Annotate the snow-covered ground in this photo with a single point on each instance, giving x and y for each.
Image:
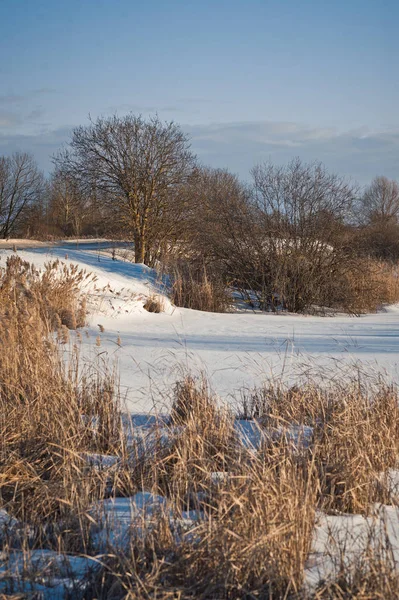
(236, 350)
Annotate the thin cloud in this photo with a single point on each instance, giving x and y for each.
(360, 154)
(27, 97)
(143, 108)
(9, 119)
(14, 119)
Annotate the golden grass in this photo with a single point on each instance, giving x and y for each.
(255, 508)
(154, 304)
(50, 411)
(369, 286)
(194, 288)
(355, 436)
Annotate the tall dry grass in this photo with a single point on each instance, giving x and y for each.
(253, 508)
(355, 436)
(255, 512)
(53, 294)
(51, 412)
(368, 286)
(195, 287)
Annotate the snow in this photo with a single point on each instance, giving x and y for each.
(347, 536)
(235, 350)
(252, 435)
(117, 519)
(8, 526)
(50, 575)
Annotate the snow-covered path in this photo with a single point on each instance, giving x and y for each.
(235, 350)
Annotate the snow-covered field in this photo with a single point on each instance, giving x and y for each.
(236, 350)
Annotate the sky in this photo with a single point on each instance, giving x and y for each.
(248, 80)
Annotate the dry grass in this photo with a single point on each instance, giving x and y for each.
(358, 443)
(154, 304)
(53, 295)
(255, 509)
(369, 286)
(195, 288)
(355, 436)
(50, 412)
(256, 517)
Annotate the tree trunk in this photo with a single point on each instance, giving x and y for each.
(139, 248)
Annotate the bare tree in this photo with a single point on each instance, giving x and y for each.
(21, 184)
(380, 202)
(220, 240)
(69, 204)
(218, 215)
(139, 163)
(377, 215)
(304, 210)
(303, 202)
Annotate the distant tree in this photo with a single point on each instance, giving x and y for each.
(35, 222)
(303, 202)
(218, 215)
(303, 211)
(69, 206)
(21, 184)
(377, 218)
(380, 202)
(139, 163)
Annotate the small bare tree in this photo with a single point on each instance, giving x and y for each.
(218, 238)
(377, 214)
(21, 184)
(380, 202)
(304, 209)
(138, 162)
(303, 202)
(69, 204)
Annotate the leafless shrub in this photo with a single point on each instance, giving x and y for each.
(284, 244)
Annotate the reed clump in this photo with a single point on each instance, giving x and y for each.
(51, 410)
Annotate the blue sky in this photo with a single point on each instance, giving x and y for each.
(249, 80)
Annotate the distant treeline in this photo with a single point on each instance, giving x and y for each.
(295, 234)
